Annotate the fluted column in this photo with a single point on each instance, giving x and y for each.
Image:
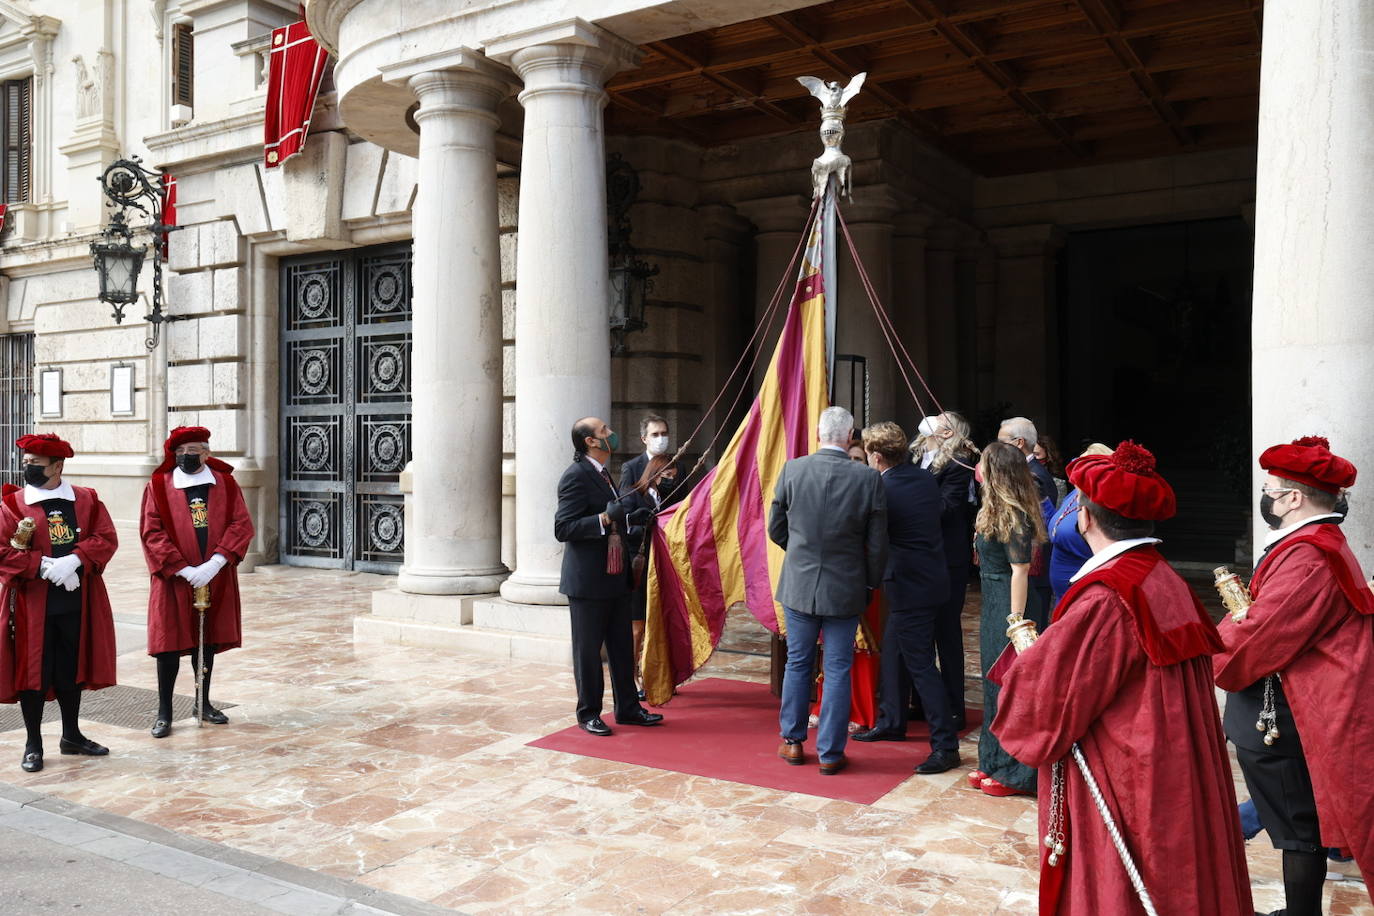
(453, 516)
(1313, 328)
(857, 329)
(562, 336)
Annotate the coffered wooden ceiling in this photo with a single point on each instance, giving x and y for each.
(1004, 86)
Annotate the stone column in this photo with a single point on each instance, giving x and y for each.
(453, 516)
(1312, 326)
(857, 330)
(562, 335)
(985, 334)
(1026, 351)
(966, 270)
(909, 309)
(724, 236)
(942, 309)
(780, 221)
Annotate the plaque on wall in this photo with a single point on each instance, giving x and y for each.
(50, 391)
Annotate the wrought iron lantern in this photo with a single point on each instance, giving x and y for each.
(631, 279)
(118, 261)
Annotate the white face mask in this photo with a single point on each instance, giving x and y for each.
(658, 445)
(927, 427)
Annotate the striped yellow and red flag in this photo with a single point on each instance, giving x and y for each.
(712, 551)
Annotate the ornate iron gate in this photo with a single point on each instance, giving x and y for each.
(345, 381)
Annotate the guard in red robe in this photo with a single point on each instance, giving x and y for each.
(1126, 673)
(1299, 665)
(195, 530)
(56, 627)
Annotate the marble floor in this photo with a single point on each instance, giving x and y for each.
(407, 769)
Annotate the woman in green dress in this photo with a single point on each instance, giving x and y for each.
(1008, 529)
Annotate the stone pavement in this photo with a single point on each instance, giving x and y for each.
(406, 771)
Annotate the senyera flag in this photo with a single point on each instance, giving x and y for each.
(295, 67)
(711, 551)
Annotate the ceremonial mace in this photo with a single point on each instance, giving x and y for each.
(1236, 597)
(1022, 634)
(201, 602)
(23, 536)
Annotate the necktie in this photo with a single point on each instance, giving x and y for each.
(606, 476)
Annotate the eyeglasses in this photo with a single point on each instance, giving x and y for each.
(1275, 492)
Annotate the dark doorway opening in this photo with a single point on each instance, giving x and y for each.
(1156, 348)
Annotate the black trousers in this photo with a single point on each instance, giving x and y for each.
(949, 639)
(1281, 788)
(909, 646)
(597, 622)
(61, 646)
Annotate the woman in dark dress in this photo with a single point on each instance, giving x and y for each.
(1008, 529)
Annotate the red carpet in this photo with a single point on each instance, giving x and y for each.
(729, 730)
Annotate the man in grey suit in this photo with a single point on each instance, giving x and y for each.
(830, 515)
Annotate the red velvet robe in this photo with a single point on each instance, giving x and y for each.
(1125, 672)
(169, 544)
(21, 661)
(1313, 623)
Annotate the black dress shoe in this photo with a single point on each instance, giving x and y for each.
(32, 762)
(595, 727)
(938, 762)
(643, 717)
(878, 734)
(82, 745)
(212, 715)
(162, 728)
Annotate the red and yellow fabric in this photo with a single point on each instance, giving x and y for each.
(711, 552)
(295, 67)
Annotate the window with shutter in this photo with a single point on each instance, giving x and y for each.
(16, 139)
(183, 65)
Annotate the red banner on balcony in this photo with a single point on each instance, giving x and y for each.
(169, 210)
(295, 67)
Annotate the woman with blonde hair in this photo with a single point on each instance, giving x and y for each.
(944, 449)
(1008, 529)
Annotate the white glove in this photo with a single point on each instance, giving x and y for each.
(56, 569)
(186, 572)
(202, 574)
(71, 583)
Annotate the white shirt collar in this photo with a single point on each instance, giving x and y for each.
(63, 490)
(1110, 552)
(1274, 537)
(181, 480)
(928, 457)
(596, 465)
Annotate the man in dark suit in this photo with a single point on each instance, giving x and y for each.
(589, 512)
(830, 514)
(915, 584)
(1020, 432)
(653, 432)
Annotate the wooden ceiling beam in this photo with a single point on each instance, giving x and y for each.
(995, 73)
(1105, 18)
(725, 82)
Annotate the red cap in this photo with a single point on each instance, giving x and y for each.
(46, 444)
(1125, 482)
(180, 436)
(1309, 460)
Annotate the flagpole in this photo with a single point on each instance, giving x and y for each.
(828, 279)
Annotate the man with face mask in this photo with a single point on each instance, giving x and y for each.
(1125, 672)
(1297, 666)
(196, 529)
(589, 517)
(57, 633)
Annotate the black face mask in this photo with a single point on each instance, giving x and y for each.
(35, 475)
(1266, 508)
(189, 463)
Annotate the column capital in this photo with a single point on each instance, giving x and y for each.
(556, 44)
(776, 214)
(464, 61)
(1027, 241)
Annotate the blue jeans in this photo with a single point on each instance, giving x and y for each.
(802, 629)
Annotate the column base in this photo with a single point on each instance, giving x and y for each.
(530, 588)
(484, 624)
(451, 581)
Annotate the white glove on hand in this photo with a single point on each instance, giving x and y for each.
(71, 583)
(202, 574)
(56, 569)
(186, 572)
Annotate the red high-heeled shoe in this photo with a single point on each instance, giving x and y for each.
(996, 789)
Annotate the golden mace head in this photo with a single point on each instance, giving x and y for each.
(1021, 632)
(23, 534)
(200, 598)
